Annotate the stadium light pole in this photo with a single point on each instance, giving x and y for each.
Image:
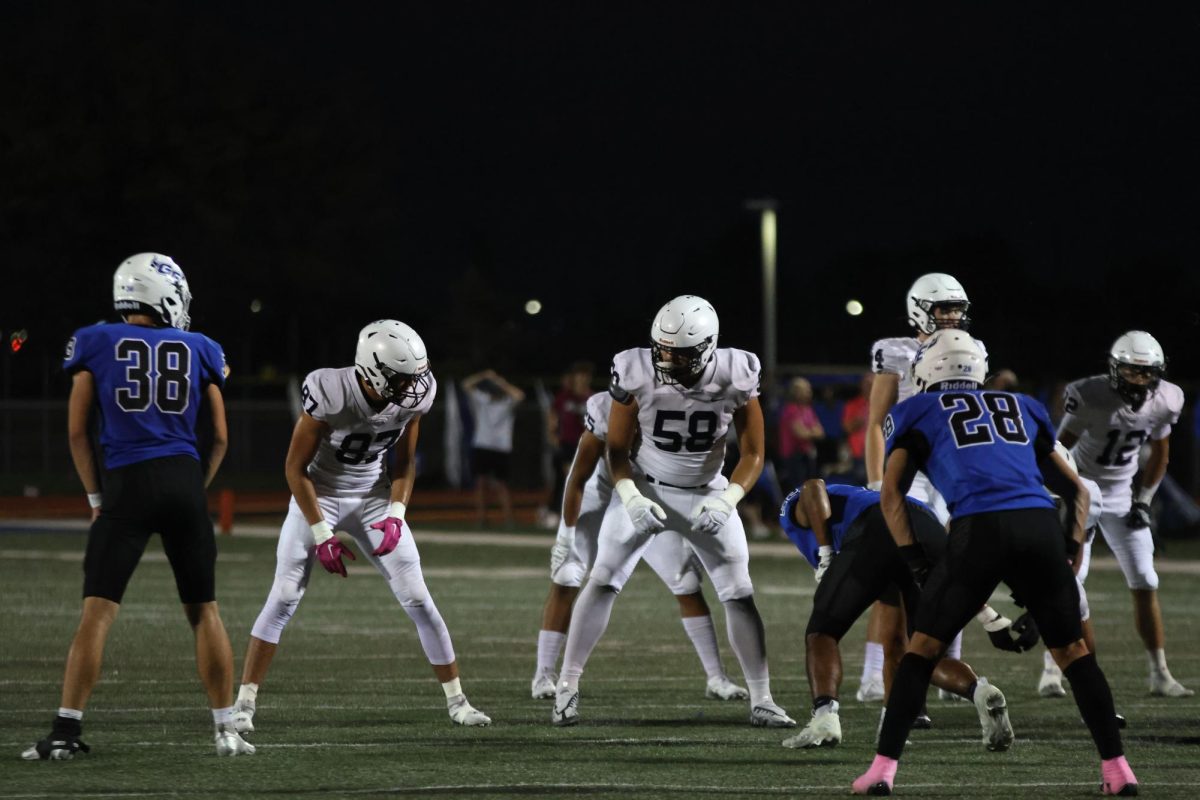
(768, 234)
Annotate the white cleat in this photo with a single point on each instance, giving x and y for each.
(1163, 684)
(543, 686)
(230, 743)
(993, 716)
(463, 713)
(871, 690)
(823, 730)
(1051, 685)
(721, 688)
(951, 696)
(768, 715)
(243, 717)
(566, 707)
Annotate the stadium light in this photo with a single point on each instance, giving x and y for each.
(768, 235)
(533, 307)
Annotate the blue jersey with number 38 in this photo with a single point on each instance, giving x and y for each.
(980, 448)
(149, 384)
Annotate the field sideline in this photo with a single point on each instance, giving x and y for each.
(351, 708)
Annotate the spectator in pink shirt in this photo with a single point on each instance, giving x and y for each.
(799, 431)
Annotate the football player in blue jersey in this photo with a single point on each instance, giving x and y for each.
(841, 531)
(146, 377)
(988, 453)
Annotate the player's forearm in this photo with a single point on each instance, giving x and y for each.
(618, 463)
(572, 502)
(402, 483)
(895, 513)
(306, 496)
(215, 456)
(85, 462)
(748, 468)
(874, 454)
(1155, 469)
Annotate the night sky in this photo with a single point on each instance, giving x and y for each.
(443, 163)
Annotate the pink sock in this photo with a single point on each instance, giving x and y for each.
(882, 770)
(1116, 775)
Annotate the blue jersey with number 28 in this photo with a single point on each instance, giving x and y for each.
(149, 384)
(979, 448)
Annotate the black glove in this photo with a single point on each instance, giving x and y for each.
(918, 563)
(1015, 637)
(1027, 632)
(1138, 516)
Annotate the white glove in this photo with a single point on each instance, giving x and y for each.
(712, 514)
(825, 558)
(875, 486)
(647, 516)
(562, 546)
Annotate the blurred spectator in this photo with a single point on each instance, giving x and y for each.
(799, 431)
(1004, 380)
(829, 411)
(493, 402)
(565, 428)
(854, 423)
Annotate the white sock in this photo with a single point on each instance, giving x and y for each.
(760, 691)
(452, 688)
(550, 645)
(704, 638)
(71, 713)
(588, 623)
(247, 695)
(223, 716)
(1158, 660)
(955, 649)
(872, 662)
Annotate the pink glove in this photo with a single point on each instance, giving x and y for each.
(392, 528)
(330, 549)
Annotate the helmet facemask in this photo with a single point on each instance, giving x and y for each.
(1131, 392)
(404, 389)
(933, 324)
(681, 364)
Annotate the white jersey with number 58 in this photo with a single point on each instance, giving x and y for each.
(683, 428)
(350, 459)
(1111, 434)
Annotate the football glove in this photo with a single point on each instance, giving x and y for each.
(392, 528)
(1138, 516)
(647, 516)
(330, 549)
(562, 546)
(825, 556)
(714, 512)
(918, 563)
(1000, 630)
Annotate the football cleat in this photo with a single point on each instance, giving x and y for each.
(543, 686)
(871, 690)
(878, 779)
(463, 713)
(768, 715)
(55, 747)
(922, 721)
(1117, 778)
(230, 743)
(993, 716)
(566, 707)
(721, 688)
(823, 730)
(951, 696)
(1163, 684)
(243, 717)
(1051, 685)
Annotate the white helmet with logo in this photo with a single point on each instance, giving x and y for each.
(937, 289)
(1139, 353)
(150, 283)
(391, 358)
(948, 355)
(683, 338)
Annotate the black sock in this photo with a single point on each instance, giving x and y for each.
(971, 690)
(1094, 698)
(905, 700)
(823, 700)
(65, 726)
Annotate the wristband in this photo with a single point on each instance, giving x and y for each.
(322, 532)
(874, 486)
(397, 509)
(94, 499)
(1146, 494)
(627, 490)
(824, 552)
(733, 494)
(992, 620)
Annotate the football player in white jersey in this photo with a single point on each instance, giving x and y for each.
(353, 419)
(682, 393)
(587, 505)
(934, 301)
(1107, 420)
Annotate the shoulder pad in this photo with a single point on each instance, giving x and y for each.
(745, 372)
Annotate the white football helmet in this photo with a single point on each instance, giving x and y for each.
(1140, 353)
(150, 283)
(683, 338)
(391, 358)
(937, 289)
(948, 355)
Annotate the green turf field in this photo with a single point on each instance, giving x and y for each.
(351, 707)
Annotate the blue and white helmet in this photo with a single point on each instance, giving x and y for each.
(948, 355)
(391, 358)
(151, 283)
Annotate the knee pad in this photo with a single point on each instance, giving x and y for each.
(732, 581)
(687, 582)
(603, 575)
(1144, 578)
(570, 573)
(278, 610)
